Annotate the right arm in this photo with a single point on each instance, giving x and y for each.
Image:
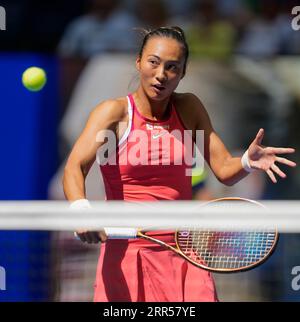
(106, 116)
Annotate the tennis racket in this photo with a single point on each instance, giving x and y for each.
(216, 251)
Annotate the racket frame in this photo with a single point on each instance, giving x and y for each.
(178, 251)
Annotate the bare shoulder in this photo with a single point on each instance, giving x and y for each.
(111, 110)
(190, 108)
(188, 101)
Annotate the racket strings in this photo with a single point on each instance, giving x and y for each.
(226, 250)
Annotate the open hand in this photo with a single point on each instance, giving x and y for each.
(264, 158)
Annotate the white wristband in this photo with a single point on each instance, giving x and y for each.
(245, 162)
(80, 204)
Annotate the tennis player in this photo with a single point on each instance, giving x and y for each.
(139, 270)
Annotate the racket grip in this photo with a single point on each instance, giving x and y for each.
(121, 233)
(117, 233)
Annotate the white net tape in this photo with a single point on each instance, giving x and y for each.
(57, 216)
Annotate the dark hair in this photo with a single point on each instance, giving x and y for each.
(173, 32)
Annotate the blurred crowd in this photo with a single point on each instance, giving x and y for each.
(215, 28)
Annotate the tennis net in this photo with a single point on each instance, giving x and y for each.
(40, 260)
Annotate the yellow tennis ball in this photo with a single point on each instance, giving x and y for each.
(34, 79)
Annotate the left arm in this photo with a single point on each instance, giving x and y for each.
(228, 169)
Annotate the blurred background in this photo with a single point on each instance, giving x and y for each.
(244, 66)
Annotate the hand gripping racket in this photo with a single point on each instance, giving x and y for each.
(216, 251)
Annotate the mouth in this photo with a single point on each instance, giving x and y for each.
(158, 88)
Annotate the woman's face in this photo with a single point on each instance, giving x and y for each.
(161, 67)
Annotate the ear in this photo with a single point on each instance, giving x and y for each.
(138, 63)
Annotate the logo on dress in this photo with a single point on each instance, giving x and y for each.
(163, 129)
(151, 127)
(158, 135)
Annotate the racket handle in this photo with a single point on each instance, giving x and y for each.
(117, 233)
(121, 233)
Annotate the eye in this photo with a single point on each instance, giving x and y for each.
(153, 62)
(173, 67)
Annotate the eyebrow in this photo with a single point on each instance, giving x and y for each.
(171, 61)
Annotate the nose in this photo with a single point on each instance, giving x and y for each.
(161, 74)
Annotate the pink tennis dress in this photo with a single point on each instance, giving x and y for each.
(150, 164)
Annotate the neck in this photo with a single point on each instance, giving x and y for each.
(151, 109)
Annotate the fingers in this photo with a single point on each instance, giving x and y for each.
(102, 235)
(285, 161)
(81, 236)
(95, 237)
(271, 175)
(259, 136)
(278, 171)
(280, 150)
(90, 237)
